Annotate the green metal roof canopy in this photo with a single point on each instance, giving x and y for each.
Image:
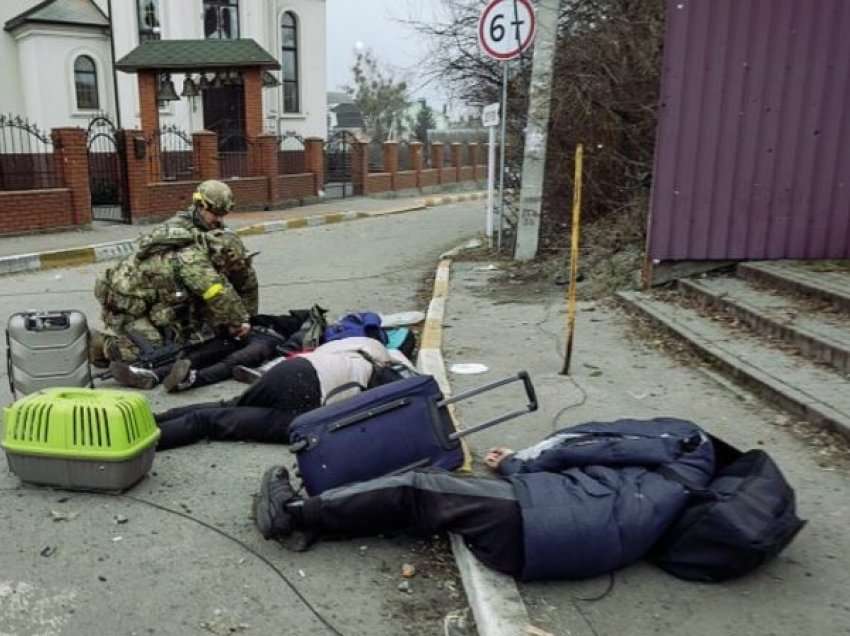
(196, 55)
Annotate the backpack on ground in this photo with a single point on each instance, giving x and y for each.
(402, 339)
(359, 325)
(743, 518)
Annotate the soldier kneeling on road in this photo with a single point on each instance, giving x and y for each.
(170, 290)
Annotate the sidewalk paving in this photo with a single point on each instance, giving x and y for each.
(105, 241)
(508, 325)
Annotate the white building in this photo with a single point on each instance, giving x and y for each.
(56, 59)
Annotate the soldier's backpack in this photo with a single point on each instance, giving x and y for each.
(47, 349)
(743, 518)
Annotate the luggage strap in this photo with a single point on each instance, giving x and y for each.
(342, 388)
(369, 414)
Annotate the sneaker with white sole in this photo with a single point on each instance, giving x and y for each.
(177, 378)
(134, 377)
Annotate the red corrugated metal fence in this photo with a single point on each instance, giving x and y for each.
(753, 154)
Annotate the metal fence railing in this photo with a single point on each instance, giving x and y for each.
(27, 161)
(174, 152)
(233, 156)
(405, 156)
(291, 155)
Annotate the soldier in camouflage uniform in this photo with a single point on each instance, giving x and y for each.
(170, 289)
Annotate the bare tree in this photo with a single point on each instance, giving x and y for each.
(604, 94)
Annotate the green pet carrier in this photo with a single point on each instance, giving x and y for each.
(80, 439)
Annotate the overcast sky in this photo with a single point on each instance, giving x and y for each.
(373, 24)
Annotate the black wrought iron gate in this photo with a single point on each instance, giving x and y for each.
(107, 173)
(338, 163)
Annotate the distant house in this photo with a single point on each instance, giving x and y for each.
(344, 115)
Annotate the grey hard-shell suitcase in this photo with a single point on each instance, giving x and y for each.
(47, 349)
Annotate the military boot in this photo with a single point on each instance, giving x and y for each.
(272, 518)
(97, 350)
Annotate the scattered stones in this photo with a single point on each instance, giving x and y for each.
(408, 571)
(48, 551)
(120, 519)
(63, 516)
(404, 586)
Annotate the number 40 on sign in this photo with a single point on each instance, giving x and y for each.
(506, 28)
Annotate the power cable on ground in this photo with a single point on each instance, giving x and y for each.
(333, 630)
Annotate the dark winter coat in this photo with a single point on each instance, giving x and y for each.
(591, 499)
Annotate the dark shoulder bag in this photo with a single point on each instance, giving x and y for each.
(743, 518)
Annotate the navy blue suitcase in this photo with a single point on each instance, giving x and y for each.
(387, 430)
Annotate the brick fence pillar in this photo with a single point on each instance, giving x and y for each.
(360, 167)
(205, 155)
(472, 158)
(437, 159)
(149, 114)
(71, 148)
(253, 87)
(457, 159)
(416, 160)
(267, 166)
(391, 161)
(314, 162)
(137, 172)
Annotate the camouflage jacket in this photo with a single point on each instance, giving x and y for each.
(170, 275)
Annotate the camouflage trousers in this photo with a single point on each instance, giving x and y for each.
(114, 345)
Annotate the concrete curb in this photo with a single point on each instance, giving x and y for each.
(74, 257)
(494, 598)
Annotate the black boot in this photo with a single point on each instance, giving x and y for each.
(272, 518)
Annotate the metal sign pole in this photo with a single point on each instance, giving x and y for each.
(491, 183)
(502, 155)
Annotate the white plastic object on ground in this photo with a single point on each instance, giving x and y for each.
(469, 368)
(402, 319)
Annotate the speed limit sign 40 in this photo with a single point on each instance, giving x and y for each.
(507, 28)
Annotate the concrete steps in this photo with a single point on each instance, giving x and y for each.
(800, 277)
(791, 351)
(823, 336)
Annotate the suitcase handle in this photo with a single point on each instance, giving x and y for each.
(532, 406)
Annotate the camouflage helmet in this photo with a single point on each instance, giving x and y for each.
(227, 252)
(217, 196)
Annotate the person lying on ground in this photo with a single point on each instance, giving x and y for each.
(265, 410)
(585, 501)
(213, 361)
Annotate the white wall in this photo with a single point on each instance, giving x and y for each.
(312, 72)
(46, 57)
(12, 94)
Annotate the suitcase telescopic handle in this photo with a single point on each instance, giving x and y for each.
(532, 406)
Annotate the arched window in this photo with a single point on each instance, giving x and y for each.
(289, 61)
(85, 83)
(221, 19)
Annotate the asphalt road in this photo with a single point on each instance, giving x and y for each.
(171, 572)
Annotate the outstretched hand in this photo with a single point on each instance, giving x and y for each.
(240, 331)
(495, 456)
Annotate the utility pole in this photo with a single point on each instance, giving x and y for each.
(536, 132)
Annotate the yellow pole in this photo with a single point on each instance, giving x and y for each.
(574, 254)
